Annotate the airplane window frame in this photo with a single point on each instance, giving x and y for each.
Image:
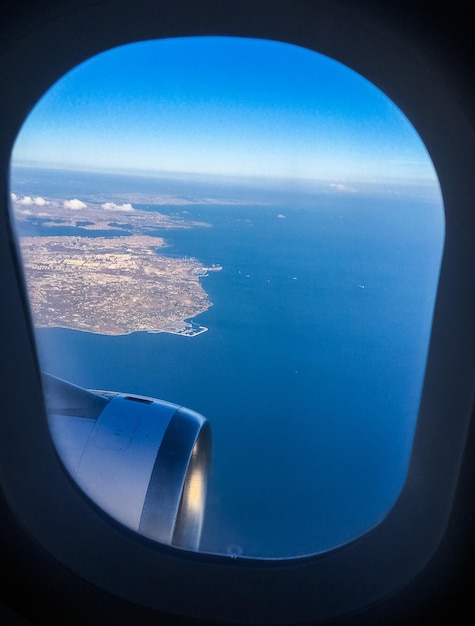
(259, 591)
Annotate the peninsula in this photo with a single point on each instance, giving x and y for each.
(111, 285)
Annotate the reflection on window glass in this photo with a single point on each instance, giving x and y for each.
(252, 231)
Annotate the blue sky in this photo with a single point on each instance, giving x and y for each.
(216, 105)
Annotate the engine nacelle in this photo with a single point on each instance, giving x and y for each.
(144, 461)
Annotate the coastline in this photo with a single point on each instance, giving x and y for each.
(186, 330)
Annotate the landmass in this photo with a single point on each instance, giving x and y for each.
(36, 211)
(111, 285)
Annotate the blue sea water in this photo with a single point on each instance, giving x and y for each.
(312, 367)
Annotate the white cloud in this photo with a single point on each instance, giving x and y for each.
(342, 187)
(112, 206)
(74, 204)
(282, 216)
(26, 200)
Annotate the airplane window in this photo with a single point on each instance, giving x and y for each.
(231, 249)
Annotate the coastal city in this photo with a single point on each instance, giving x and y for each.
(111, 285)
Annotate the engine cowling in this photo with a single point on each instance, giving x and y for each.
(144, 461)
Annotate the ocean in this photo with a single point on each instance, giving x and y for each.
(312, 367)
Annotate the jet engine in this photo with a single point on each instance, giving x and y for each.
(144, 461)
